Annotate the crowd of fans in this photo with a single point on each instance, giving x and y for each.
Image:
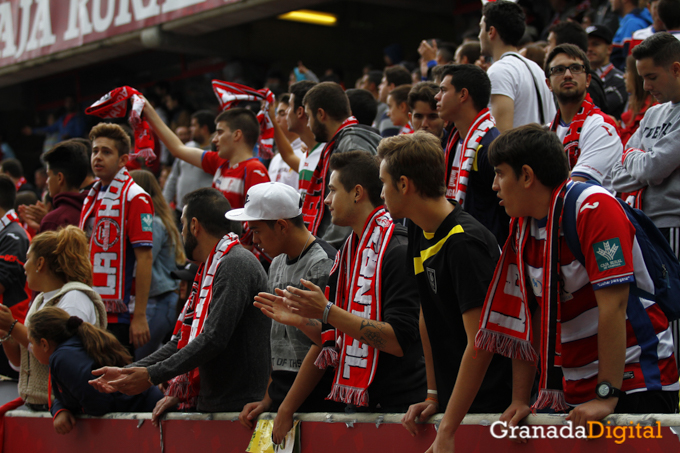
(360, 268)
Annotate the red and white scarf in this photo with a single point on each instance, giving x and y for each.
(505, 325)
(634, 199)
(456, 188)
(192, 319)
(114, 105)
(406, 129)
(312, 208)
(571, 139)
(230, 94)
(359, 266)
(108, 245)
(20, 183)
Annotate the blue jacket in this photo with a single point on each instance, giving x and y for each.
(71, 368)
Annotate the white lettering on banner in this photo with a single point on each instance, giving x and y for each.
(173, 5)
(102, 23)
(78, 20)
(7, 30)
(42, 24)
(356, 353)
(25, 7)
(102, 265)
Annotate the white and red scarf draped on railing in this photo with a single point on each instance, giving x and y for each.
(230, 94)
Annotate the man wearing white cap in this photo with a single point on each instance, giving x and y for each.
(274, 215)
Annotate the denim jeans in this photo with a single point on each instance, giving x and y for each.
(161, 314)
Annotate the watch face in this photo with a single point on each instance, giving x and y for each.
(602, 390)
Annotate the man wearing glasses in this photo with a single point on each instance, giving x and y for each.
(589, 136)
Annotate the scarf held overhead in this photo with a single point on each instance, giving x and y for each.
(505, 326)
(456, 188)
(230, 94)
(358, 291)
(312, 208)
(114, 105)
(192, 319)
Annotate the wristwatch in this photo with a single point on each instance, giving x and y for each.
(605, 390)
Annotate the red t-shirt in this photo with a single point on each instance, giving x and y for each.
(235, 181)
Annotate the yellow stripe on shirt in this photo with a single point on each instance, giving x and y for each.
(432, 251)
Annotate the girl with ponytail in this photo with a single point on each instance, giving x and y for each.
(58, 267)
(168, 253)
(72, 349)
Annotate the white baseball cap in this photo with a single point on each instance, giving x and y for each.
(268, 201)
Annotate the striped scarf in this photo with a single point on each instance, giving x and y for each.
(230, 94)
(114, 105)
(460, 171)
(192, 319)
(358, 291)
(312, 209)
(505, 325)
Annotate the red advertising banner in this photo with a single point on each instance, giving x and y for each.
(34, 28)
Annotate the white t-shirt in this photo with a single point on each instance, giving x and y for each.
(510, 77)
(279, 171)
(75, 303)
(600, 148)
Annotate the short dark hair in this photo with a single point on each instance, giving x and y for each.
(284, 98)
(473, 78)
(535, 146)
(507, 18)
(8, 193)
(244, 120)
(397, 75)
(662, 47)
(12, 167)
(447, 50)
(570, 33)
(669, 13)
(400, 94)
(300, 89)
(419, 157)
(208, 206)
(375, 76)
(205, 118)
(359, 168)
(471, 50)
(363, 104)
(571, 51)
(69, 158)
(330, 97)
(425, 92)
(87, 143)
(297, 222)
(25, 197)
(114, 132)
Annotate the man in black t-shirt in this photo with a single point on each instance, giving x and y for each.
(453, 257)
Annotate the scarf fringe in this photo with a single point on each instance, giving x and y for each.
(327, 357)
(552, 398)
(505, 345)
(349, 395)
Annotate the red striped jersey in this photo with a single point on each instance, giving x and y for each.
(612, 256)
(235, 181)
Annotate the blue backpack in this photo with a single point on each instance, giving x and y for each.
(661, 262)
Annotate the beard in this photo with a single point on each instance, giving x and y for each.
(571, 96)
(190, 244)
(320, 132)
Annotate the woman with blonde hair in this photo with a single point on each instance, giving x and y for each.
(58, 267)
(168, 252)
(72, 349)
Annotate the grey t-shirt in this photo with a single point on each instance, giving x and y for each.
(290, 345)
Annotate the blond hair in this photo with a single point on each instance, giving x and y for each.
(66, 253)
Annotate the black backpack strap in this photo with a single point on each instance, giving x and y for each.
(538, 92)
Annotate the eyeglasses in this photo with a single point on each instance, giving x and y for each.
(573, 68)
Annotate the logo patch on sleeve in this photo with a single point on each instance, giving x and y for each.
(147, 222)
(608, 254)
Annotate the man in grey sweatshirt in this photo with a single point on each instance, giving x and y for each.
(231, 351)
(651, 159)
